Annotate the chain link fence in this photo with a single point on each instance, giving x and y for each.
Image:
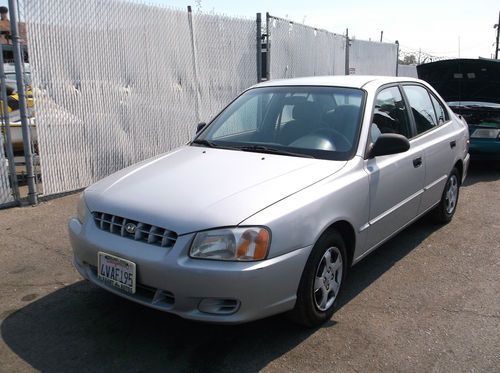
(226, 52)
(297, 50)
(117, 82)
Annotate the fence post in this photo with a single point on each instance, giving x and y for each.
(397, 58)
(259, 47)
(195, 67)
(347, 51)
(268, 48)
(30, 176)
(8, 136)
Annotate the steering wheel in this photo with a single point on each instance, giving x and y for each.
(339, 140)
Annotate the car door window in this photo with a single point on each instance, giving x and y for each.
(390, 114)
(421, 107)
(442, 114)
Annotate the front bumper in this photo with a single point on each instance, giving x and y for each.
(171, 281)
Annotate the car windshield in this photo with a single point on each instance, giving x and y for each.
(319, 122)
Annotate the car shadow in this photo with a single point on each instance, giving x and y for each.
(386, 256)
(84, 328)
(482, 171)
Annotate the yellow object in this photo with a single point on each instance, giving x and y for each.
(13, 101)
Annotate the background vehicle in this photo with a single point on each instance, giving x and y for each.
(13, 104)
(472, 90)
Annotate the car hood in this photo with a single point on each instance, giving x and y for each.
(463, 79)
(196, 188)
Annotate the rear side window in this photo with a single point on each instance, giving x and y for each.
(390, 114)
(421, 107)
(441, 112)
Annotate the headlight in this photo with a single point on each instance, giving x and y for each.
(81, 209)
(237, 244)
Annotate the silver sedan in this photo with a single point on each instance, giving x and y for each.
(273, 201)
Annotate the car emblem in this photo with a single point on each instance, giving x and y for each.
(130, 228)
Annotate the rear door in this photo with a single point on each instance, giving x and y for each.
(432, 127)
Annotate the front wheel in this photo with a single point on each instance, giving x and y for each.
(321, 281)
(444, 211)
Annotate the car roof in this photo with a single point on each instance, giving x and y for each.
(350, 81)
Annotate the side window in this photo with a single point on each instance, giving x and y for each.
(390, 114)
(421, 107)
(442, 114)
(345, 99)
(286, 114)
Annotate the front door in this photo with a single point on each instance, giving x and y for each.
(396, 180)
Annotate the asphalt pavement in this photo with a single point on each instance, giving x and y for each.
(428, 300)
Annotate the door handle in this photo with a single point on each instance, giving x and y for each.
(453, 144)
(417, 162)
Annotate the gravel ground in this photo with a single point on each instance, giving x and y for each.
(428, 300)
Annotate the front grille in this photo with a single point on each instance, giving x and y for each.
(143, 232)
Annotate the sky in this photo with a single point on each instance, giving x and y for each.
(438, 27)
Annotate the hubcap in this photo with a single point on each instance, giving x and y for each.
(328, 279)
(451, 194)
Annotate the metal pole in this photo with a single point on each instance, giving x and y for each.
(8, 136)
(195, 67)
(498, 34)
(347, 51)
(259, 47)
(18, 62)
(268, 48)
(397, 58)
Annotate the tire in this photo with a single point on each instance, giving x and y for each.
(315, 306)
(444, 211)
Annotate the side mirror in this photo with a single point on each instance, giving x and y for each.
(389, 143)
(200, 127)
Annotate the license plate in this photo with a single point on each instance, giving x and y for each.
(117, 272)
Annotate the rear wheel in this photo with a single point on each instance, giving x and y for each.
(444, 211)
(321, 281)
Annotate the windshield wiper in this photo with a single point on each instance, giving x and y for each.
(204, 142)
(265, 149)
(211, 144)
